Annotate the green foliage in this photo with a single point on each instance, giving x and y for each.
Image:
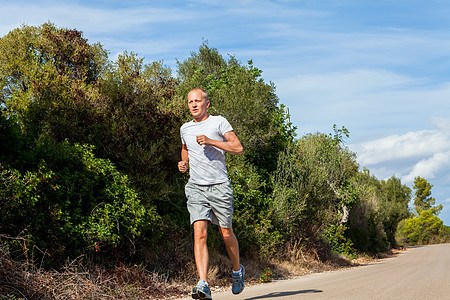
(268, 238)
(315, 190)
(324, 170)
(9, 296)
(365, 226)
(289, 200)
(139, 131)
(422, 196)
(65, 88)
(258, 233)
(71, 202)
(266, 276)
(340, 134)
(383, 204)
(335, 237)
(424, 229)
(393, 203)
(46, 74)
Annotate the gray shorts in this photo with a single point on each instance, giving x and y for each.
(210, 202)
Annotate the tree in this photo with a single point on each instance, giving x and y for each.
(90, 147)
(138, 131)
(393, 206)
(422, 199)
(314, 189)
(53, 82)
(58, 91)
(365, 226)
(426, 228)
(47, 76)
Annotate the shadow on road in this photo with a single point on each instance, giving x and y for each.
(284, 294)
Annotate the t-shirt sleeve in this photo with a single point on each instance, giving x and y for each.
(182, 137)
(224, 126)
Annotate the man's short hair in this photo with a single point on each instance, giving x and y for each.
(204, 93)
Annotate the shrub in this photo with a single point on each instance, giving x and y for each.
(266, 276)
(339, 243)
(71, 203)
(424, 229)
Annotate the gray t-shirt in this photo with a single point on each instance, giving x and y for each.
(206, 163)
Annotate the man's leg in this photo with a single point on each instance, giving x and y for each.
(201, 249)
(232, 246)
(233, 251)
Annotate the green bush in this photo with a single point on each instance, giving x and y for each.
(266, 276)
(424, 229)
(338, 242)
(71, 203)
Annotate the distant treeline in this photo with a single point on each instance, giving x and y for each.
(89, 150)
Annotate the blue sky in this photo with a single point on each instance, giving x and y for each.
(379, 68)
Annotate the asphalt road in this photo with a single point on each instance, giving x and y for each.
(418, 273)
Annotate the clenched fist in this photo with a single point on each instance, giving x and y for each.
(203, 140)
(183, 166)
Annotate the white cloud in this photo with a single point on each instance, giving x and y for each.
(410, 145)
(429, 167)
(369, 102)
(441, 123)
(424, 153)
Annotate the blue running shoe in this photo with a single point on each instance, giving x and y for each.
(201, 291)
(238, 282)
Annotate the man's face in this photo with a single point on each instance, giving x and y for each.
(198, 105)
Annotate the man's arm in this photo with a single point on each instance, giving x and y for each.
(231, 145)
(184, 163)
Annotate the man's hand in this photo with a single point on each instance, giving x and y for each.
(183, 166)
(203, 140)
(231, 145)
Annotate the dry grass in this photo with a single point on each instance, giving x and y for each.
(26, 280)
(131, 282)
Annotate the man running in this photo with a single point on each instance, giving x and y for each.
(205, 140)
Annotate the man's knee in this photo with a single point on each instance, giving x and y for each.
(200, 235)
(200, 230)
(227, 234)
